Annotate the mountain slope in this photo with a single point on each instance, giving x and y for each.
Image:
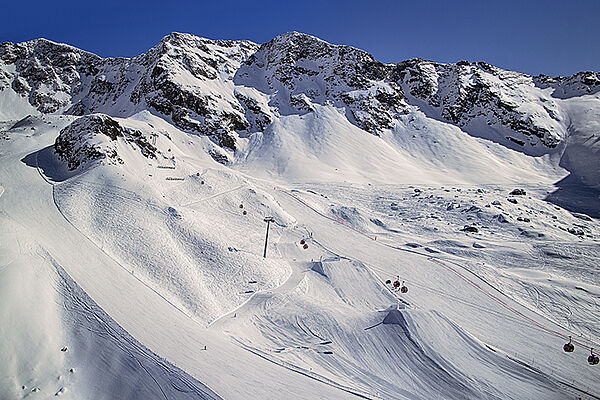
(134, 194)
(236, 92)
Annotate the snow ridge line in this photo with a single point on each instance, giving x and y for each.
(371, 270)
(117, 262)
(374, 270)
(531, 320)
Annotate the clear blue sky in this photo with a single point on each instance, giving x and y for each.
(551, 37)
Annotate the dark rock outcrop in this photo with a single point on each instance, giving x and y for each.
(92, 138)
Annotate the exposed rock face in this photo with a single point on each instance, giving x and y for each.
(580, 84)
(47, 73)
(177, 79)
(94, 138)
(228, 90)
(296, 70)
(190, 81)
(472, 95)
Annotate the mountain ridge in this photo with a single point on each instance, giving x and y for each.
(230, 90)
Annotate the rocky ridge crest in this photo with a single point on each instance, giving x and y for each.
(228, 90)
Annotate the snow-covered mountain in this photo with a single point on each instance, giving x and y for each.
(184, 78)
(235, 91)
(133, 197)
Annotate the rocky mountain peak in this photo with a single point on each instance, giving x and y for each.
(44, 72)
(93, 138)
(228, 90)
(581, 84)
(296, 70)
(473, 95)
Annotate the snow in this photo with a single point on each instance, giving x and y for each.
(148, 272)
(14, 107)
(316, 147)
(286, 326)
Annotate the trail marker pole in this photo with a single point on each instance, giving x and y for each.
(268, 220)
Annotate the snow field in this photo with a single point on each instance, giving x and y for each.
(133, 304)
(192, 245)
(537, 262)
(331, 326)
(62, 344)
(187, 253)
(475, 307)
(315, 148)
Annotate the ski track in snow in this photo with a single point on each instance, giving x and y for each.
(156, 338)
(249, 301)
(508, 307)
(440, 262)
(276, 343)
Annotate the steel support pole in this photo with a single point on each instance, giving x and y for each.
(267, 236)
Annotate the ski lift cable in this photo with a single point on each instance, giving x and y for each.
(528, 321)
(513, 318)
(492, 296)
(467, 303)
(508, 306)
(445, 294)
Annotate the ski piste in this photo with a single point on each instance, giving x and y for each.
(146, 262)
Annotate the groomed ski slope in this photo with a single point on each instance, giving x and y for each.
(303, 328)
(63, 344)
(137, 308)
(459, 295)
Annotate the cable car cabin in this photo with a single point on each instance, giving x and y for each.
(305, 246)
(568, 347)
(403, 288)
(302, 241)
(593, 359)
